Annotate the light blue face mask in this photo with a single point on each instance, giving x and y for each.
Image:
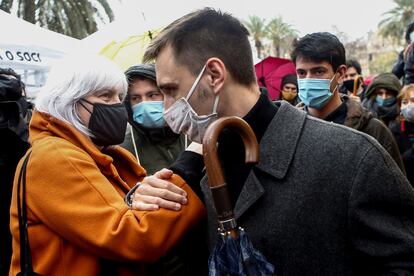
(385, 102)
(315, 93)
(149, 114)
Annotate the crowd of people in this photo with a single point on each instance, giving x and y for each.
(113, 175)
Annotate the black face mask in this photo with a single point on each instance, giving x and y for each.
(349, 84)
(108, 123)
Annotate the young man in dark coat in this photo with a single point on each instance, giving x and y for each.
(315, 55)
(148, 137)
(324, 199)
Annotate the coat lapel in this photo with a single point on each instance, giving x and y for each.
(278, 145)
(252, 190)
(277, 149)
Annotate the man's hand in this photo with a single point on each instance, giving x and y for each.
(354, 98)
(157, 192)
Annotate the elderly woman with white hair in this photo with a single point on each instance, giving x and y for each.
(77, 180)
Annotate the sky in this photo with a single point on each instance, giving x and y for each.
(353, 17)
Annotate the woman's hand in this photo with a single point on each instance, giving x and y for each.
(157, 192)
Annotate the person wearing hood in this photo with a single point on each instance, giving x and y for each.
(148, 137)
(381, 97)
(331, 105)
(289, 88)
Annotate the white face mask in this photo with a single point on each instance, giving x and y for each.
(412, 37)
(182, 118)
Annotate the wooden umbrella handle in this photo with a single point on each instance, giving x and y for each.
(215, 174)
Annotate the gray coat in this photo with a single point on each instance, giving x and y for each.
(325, 200)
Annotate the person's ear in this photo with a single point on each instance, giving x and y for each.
(217, 74)
(341, 71)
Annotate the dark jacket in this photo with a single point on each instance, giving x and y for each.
(361, 119)
(156, 148)
(405, 67)
(409, 68)
(398, 67)
(324, 200)
(404, 135)
(14, 136)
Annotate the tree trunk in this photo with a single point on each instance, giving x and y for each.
(30, 11)
(258, 45)
(277, 49)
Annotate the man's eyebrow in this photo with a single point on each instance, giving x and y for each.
(317, 68)
(153, 91)
(167, 84)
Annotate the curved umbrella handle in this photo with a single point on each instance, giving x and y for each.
(215, 175)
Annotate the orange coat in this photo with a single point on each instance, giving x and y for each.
(76, 210)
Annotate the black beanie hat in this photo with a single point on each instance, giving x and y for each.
(141, 70)
(289, 79)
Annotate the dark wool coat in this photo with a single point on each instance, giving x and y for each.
(325, 200)
(361, 119)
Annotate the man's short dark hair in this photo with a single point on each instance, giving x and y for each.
(320, 47)
(408, 31)
(354, 63)
(206, 33)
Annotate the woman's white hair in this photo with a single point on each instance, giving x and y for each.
(74, 78)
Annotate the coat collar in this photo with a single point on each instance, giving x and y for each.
(277, 149)
(44, 125)
(278, 145)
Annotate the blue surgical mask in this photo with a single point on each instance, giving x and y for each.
(385, 102)
(315, 93)
(149, 114)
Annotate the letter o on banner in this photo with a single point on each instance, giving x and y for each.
(27, 57)
(9, 55)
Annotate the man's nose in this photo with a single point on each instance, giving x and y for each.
(309, 75)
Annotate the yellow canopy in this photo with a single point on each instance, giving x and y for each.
(130, 51)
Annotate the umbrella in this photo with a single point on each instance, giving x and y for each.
(369, 79)
(234, 253)
(270, 71)
(129, 51)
